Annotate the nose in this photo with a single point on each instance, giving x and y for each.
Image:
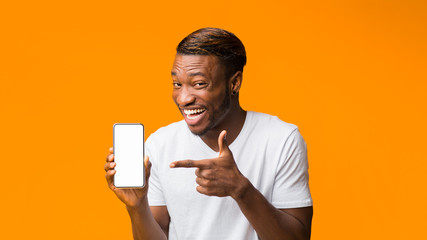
(185, 97)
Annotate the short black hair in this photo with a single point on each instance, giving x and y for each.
(218, 42)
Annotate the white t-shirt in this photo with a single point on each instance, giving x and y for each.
(269, 152)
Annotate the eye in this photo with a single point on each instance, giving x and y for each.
(176, 85)
(200, 84)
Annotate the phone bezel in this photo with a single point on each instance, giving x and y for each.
(143, 155)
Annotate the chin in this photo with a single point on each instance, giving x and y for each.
(198, 131)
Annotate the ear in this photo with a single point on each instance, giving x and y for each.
(236, 82)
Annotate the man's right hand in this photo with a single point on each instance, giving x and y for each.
(132, 197)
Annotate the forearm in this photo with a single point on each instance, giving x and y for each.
(144, 226)
(268, 221)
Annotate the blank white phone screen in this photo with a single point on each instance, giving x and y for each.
(129, 155)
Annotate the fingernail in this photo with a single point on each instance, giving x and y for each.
(172, 165)
(112, 164)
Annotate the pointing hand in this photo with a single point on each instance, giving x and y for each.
(217, 176)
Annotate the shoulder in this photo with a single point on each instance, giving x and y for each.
(277, 133)
(271, 125)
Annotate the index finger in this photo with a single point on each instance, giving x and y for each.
(205, 163)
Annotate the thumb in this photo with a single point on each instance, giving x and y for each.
(147, 165)
(222, 143)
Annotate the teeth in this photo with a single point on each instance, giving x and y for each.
(194, 111)
(189, 117)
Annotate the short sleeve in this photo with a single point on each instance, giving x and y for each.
(155, 192)
(291, 188)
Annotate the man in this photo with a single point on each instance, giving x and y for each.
(222, 172)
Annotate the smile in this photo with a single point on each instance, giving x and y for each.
(194, 113)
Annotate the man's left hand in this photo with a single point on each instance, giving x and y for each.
(217, 176)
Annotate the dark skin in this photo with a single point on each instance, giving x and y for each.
(200, 83)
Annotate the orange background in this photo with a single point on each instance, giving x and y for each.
(350, 74)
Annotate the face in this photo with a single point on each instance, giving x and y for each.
(200, 91)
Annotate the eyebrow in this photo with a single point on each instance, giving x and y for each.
(191, 74)
(197, 74)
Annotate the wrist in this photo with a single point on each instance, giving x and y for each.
(242, 190)
(138, 206)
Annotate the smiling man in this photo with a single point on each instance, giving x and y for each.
(222, 172)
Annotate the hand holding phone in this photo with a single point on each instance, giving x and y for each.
(134, 196)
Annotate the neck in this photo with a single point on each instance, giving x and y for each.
(233, 122)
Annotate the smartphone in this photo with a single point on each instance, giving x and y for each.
(128, 145)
